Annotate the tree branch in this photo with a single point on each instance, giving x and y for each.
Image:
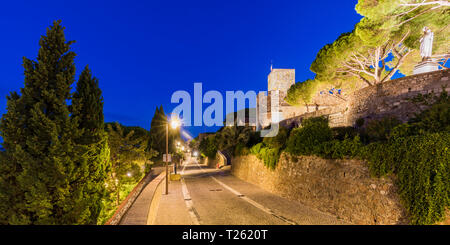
(440, 3)
(403, 22)
(395, 69)
(409, 11)
(359, 71)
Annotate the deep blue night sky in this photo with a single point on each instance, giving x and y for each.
(143, 51)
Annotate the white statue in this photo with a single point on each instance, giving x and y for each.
(426, 44)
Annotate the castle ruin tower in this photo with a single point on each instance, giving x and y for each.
(279, 82)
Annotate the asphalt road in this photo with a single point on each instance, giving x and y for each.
(214, 197)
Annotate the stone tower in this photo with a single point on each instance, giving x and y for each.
(281, 80)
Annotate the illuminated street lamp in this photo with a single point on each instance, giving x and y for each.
(195, 153)
(174, 123)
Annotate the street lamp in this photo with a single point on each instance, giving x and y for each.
(195, 154)
(174, 123)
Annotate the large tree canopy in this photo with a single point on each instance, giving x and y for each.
(412, 15)
(363, 53)
(301, 93)
(384, 41)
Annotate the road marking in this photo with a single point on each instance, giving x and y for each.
(184, 167)
(255, 204)
(189, 204)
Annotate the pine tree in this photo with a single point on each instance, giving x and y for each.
(92, 145)
(40, 166)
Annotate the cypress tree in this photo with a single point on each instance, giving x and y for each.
(152, 140)
(92, 146)
(39, 168)
(158, 131)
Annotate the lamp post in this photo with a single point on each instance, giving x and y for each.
(174, 123)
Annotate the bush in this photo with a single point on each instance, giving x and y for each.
(306, 140)
(378, 130)
(341, 133)
(254, 138)
(421, 164)
(359, 122)
(241, 150)
(278, 141)
(346, 148)
(436, 118)
(270, 156)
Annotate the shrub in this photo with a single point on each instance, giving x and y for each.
(254, 138)
(241, 150)
(340, 133)
(278, 141)
(436, 118)
(378, 130)
(256, 149)
(339, 149)
(305, 140)
(347, 148)
(359, 122)
(421, 164)
(268, 155)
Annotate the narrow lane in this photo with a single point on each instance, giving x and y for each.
(217, 205)
(215, 197)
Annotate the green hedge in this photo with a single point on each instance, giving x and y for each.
(422, 166)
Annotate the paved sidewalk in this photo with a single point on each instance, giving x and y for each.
(172, 209)
(138, 212)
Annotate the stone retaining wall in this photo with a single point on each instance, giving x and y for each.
(342, 188)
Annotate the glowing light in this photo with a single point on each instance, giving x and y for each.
(129, 174)
(195, 153)
(175, 123)
(182, 148)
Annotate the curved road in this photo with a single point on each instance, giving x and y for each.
(214, 197)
